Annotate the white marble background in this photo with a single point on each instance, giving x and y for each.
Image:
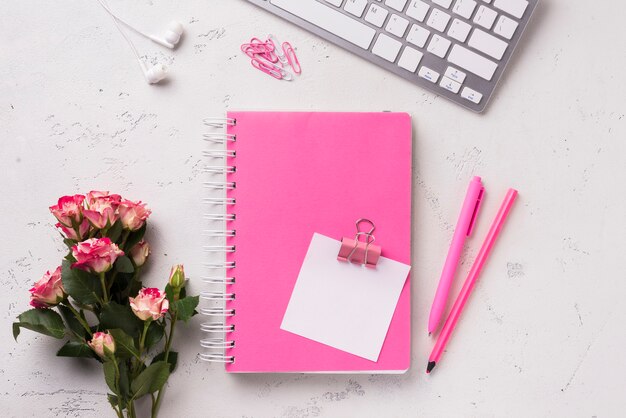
(543, 335)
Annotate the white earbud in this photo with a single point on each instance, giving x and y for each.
(154, 74)
(171, 37)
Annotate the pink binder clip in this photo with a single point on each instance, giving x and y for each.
(360, 251)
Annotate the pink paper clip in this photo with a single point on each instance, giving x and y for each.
(358, 251)
(270, 68)
(292, 58)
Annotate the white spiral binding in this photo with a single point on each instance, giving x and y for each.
(219, 233)
(217, 343)
(216, 297)
(219, 200)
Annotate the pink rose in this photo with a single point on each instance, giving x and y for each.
(95, 255)
(72, 234)
(103, 344)
(48, 291)
(133, 214)
(140, 252)
(102, 208)
(68, 210)
(150, 303)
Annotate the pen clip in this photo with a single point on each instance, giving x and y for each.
(479, 200)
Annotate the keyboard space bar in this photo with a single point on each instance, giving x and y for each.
(330, 20)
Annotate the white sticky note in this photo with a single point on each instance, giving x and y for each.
(344, 305)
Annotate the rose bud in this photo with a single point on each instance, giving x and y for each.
(69, 210)
(103, 344)
(95, 255)
(48, 291)
(71, 233)
(140, 252)
(177, 279)
(133, 214)
(177, 276)
(150, 303)
(102, 209)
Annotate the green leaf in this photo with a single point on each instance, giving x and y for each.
(114, 316)
(76, 349)
(72, 323)
(134, 288)
(169, 293)
(115, 232)
(69, 242)
(124, 382)
(82, 286)
(124, 344)
(154, 334)
(113, 400)
(43, 321)
(135, 237)
(172, 359)
(110, 375)
(151, 379)
(185, 308)
(124, 265)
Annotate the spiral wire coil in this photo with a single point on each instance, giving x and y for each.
(215, 298)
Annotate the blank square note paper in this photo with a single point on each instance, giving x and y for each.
(346, 306)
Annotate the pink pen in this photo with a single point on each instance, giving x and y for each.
(472, 277)
(464, 227)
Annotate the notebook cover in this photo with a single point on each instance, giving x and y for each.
(300, 173)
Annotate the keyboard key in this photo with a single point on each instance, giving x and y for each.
(454, 74)
(472, 62)
(417, 10)
(512, 7)
(355, 7)
(439, 46)
(464, 8)
(329, 19)
(450, 85)
(335, 2)
(438, 20)
(418, 36)
(397, 26)
(376, 15)
(410, 59)
(488, 44)
(386, 47)
(443, 3)
(428, 74)
(485, 17)
(505, 27)
(396, 4)
(471, 95)
(459, 30)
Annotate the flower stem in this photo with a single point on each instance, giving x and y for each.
(168, 343)
(79, 318)
(123, 242)
(103, 282)
(142, 342)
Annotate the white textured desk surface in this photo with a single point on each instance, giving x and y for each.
(544, 333)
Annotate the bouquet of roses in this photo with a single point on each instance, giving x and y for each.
(103, 308)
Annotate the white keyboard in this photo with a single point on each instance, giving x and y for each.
(456, 48)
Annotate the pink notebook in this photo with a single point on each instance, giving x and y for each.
(303, 173)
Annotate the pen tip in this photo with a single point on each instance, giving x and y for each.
(430, 333)
(430, 367)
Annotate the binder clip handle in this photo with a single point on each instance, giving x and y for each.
(359, 250)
